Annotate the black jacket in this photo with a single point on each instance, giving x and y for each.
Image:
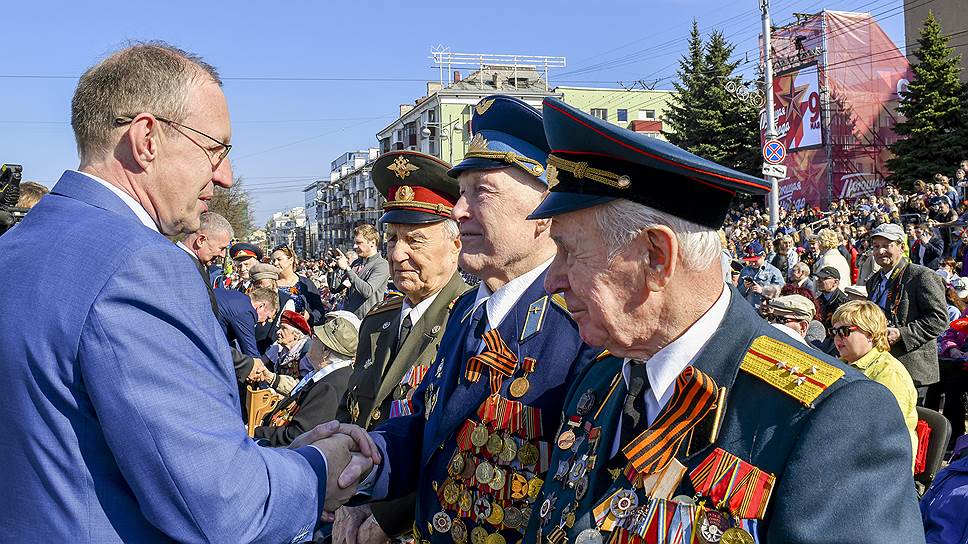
(316, 403)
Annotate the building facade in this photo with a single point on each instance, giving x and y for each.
(288, 228)
(639, 110)
(347, 200)
(953, 16)
(314, 218)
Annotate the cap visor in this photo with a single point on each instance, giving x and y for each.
(410, 217)
(559, 203)
(475, 163)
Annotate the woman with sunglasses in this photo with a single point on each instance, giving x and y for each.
(860, 336)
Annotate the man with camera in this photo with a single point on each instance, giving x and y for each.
(366, 278)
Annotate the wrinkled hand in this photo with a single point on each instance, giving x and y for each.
(348, 521)
(258, 371)
(341, 261)
(893, 335)
(350, 455)
(371, 533)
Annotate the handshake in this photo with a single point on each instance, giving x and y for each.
(350, 456)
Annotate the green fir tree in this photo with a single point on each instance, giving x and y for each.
(934, 133)
(686, 107)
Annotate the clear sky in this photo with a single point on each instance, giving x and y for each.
(307, 81)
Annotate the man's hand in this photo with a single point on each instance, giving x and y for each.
(341, 261)
(258, 371)
(756, 288)
(371, 533)
(350, 455)
(893, 335)
(348, 521)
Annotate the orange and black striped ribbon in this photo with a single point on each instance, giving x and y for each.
(497, 356)
(694, 396)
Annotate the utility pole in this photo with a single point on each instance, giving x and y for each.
(770, 119)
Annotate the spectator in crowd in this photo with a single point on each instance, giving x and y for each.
(953, 367)
(244, 256)
(303, 293)
(795, 315)
(830, 256)
(927, 247)
(757, 274)
(948, 269)
(829, 294)
(783, 256)
(208, 243)
(30, 194)
(264, 275)
(912, 298)
(288, 354)
(856, 292)
(800, 276)
(955, 294)
(860, 335)
(366, 278)
(944, 505)
(315, 398)
(940, 210)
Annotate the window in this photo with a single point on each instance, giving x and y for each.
(646, 115)
(623, 115)
(601, 113)
(431, 116)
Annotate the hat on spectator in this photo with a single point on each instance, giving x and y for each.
(244, 250)
(891, 231)
(793, 307)
(264, 271)
(828, 272)
(295, 320)
(754, 250)
(960, 285)
(938, 200)
(856, 290)
(339, 334)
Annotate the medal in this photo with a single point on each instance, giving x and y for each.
(512, 517)
(566, 440)
(497, 515)
(479, 436)
(712, 525)
(456, 466)
(495, 538)
(497, 482)
(470, 468)
(562, 471)
(482, 508)
(519, 387)
(509, 451)
(465, 501)
(519, 486)
(495, 444)
(528, 454)
(623, 503)
(589, 536)
(736, 535)
(458, 531)
(581, 487)
(441, 522)
(684, 499)
(534, 487)
(478, 535)
(451, 493)
(586, 402)
(484, 472)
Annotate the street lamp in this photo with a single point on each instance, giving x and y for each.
(443, 135)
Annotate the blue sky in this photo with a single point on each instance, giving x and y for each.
(287, 130)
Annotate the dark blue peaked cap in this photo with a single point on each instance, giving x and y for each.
(593, 162)
(507, 132)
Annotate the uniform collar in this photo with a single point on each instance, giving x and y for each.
(665, 366)
(136, 207)
(417, 311)
(499, 303)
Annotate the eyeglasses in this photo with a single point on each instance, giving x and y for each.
(844, 331)
(779, 320)
(215, 156)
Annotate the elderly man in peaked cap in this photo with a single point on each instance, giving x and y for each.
(703, 423)
(477, 445)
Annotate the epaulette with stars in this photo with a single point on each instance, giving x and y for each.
(391, 303)
(789, 369)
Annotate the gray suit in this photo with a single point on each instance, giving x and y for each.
(917, 307)
(367, 284)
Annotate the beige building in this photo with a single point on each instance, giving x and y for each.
(953, 16)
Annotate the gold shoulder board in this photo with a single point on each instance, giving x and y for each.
(392, 303)
(602, 355)
(795, 372)
(559, 299)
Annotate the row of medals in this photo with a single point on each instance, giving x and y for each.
(468, 471)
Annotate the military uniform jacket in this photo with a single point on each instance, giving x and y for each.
(381, 382)
(830, 466)
(477, 479)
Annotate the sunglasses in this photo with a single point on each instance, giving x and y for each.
(844, 331)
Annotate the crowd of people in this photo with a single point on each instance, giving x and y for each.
(545, 346)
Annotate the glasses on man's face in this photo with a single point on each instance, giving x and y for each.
(844, 331)
(216, 154)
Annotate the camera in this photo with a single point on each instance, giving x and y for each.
(10, 214)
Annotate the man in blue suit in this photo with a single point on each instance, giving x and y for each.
(476, 447)
(705, 424)
(122, 419)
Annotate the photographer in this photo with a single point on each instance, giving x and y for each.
(366, 277)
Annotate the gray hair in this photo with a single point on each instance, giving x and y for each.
(622, 220)
(802, 267)
(212, 223)
(151, 77)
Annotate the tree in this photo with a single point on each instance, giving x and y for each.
(933, 137)
(234, 204)
(706, 115)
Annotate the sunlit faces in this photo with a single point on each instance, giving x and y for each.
(422, 257)
(243, 266)
(852, 346)
(281, 260)
(887, 253)
(492, 214)
(363, 247)
(211, 246)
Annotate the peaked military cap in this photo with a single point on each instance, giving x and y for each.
(506, 132)
(416, 187)
(593, 162)
(245, 250)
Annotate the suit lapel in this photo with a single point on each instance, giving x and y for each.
(79, 187)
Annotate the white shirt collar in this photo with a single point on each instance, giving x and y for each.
(670, 361)
(415, 312)
(187, 250)
(499, 303)
(135, 206)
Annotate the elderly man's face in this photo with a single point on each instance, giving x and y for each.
(243, 266)
(887, 253)
(182, 178)
(492, 214)
(605, 298)
(422, 258)
(211, 246)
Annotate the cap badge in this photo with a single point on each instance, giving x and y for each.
(478, 143)
(404, 193)
(402, 167)
(483, 106)
(552, 176)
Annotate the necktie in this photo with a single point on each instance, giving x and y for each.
(477, 327)
(634, 420)
(405, 328)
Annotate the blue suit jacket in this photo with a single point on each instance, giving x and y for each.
(121, 411)
(419, 447)
(238, 319)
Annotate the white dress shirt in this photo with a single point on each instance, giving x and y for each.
(498, 304)
(415, 312)
(135, 206)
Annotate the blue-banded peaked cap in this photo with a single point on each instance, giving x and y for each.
(593, 162)
(505, 132)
